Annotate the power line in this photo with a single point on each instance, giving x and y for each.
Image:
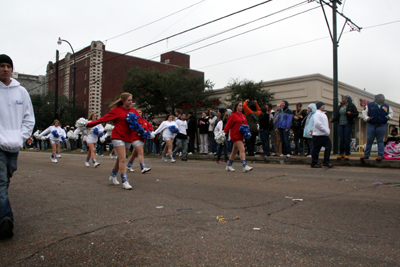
(153, 21)
(236, 27)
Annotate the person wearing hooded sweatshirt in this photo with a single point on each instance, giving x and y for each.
(345, 116)
(253, 114)
(283, 124)
(321, 138)
(309, 126)
(16, 125)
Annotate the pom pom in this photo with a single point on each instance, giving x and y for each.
(153, 135)
(37, 135)
(101, 134)
(102, 139)
(146, 135)
(55, 133)
(173, 129)
(220, 137)
(43, 138)
(81, 123)
(108, 127)
(132, 118)
(244, 129)
(63, 139)
(95, 131)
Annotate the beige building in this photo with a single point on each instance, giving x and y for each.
(316, 87)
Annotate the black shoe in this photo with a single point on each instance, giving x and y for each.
(327, 165)
(316, 166)
(6, 228)
(184, 159)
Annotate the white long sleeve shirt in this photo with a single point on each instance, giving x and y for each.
(48, 132)
(182, 126)
(321, 124)
(166, 133)
(365, 116)
(17, 118)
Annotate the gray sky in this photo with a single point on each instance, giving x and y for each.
(292, 47)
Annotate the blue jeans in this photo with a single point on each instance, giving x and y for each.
(344, 135)
(298, 142)
(213, 144)
(317, 143)
(271, 137)
(72, 144)
(264, 135)
(83, 145)
(8, 165)
(309, 143)
(378, 132)
(181, 146)
(223, 146)
(285, 141)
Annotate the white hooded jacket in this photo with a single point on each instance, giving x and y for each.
(17, 118)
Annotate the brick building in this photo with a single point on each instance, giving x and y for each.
(100, 74)
(34, 84)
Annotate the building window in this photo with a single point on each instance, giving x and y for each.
(166, 61)
(85, 75)
(84, 104)
(85, 62)
(84, 90)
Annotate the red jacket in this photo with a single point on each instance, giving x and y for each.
(146, 126)
(235, 120)
(121, 130)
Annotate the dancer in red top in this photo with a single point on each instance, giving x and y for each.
(138, 143)
(235, 120)
(122, 136)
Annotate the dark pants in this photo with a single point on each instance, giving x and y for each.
(100, 148)
(309, 144)
(345, 140)
(72, 144)
(317, 143)
(213, 145)
(298, 141)
(192, 138)
(284, 135)
(223, 146)
(8, 165)
(264, 135)
(250, 143)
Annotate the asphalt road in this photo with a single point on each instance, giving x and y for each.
(195, 213)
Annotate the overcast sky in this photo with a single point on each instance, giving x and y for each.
(291, 47)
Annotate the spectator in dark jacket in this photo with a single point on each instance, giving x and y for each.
(264, 123)
(283, 124)
(203, 131)
(345, 116)
(298, 116)
(191, 132)
(252, 113)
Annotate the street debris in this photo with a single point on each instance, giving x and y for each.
(184, 209)
(159, 207)
(221, 219)
(297, 199)
(256, 229)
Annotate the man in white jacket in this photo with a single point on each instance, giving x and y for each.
(320, 137)
(16, 124)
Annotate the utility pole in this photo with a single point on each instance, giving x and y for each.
(335, 43)
(56, 89)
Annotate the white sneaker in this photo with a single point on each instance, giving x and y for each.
(87, 164)
(96, 164)
(130, 169)
(52, 160)
(229, 168)
(273, 154)
(58, 155)
(309, 156)
(164, 159)
(190, 153)
(173, 160)
(210, 153)
(247, 168)
(114, 180)
(101, 155)
(281, 155)
(55, 160)
(146, 170)
(180, 154)
(111, 156)
(126, 185)
(288, 156)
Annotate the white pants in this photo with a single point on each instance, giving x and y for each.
(204, 143)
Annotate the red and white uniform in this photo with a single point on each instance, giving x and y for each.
(235, 120)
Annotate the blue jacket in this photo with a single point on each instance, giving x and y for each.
(285, 118)
(309, 122)
(379, 116)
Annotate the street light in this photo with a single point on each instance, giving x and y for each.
(59, 42)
